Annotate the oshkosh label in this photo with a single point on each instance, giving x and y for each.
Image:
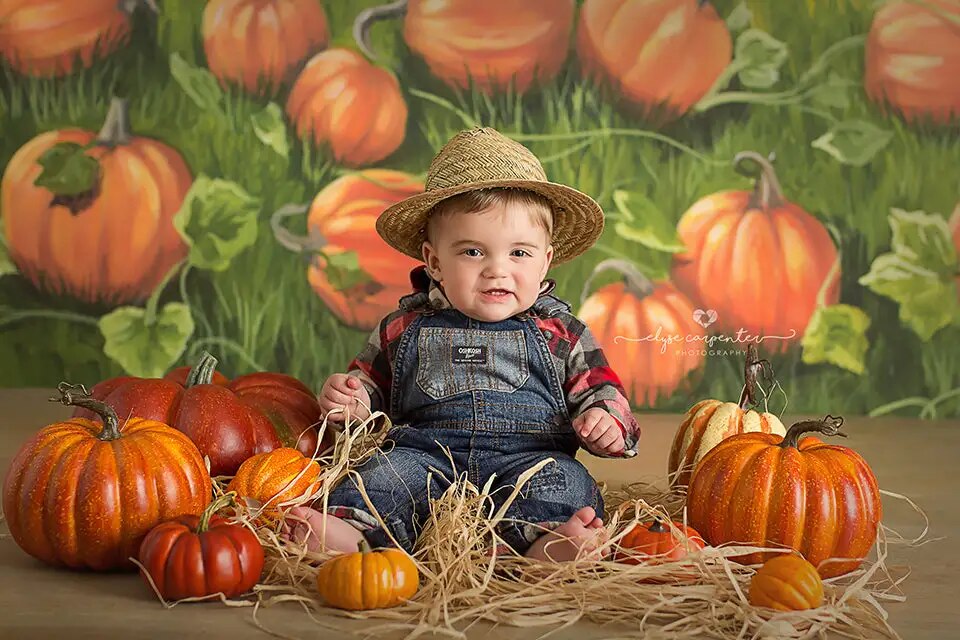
(470, 355)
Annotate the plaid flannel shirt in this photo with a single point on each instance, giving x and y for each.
(588, 380)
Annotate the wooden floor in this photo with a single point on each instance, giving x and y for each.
(910, 457)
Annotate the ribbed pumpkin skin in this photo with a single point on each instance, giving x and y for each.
(71, 499)
(708, 423)
(276, 477)
(649, 539)
(368, 580)
(786, 583)
(184, 563)
(819, 499)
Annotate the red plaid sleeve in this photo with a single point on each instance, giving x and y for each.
(374, 364)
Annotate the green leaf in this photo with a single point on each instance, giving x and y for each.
(7, 266)
(853, 142)
(270, 130)
(343, 270)
(919, 273)
(67, 170)
(143, 348)
(759, 57)
(199, 84)
(837, 334)
(739, 18)
(218, 220)
(645, 223)
(833, 93)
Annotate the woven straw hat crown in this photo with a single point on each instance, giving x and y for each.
(483, 158)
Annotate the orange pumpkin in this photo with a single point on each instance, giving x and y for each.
(113, 244)
(349, 105)
(819, 499)
(786, 582)
(82, 494)
(48, 37)
(709, 422)
(274, 478)
(259, 44)
(913, 59)
(655, 542)
(757, 260)
(368, 579)
(343, 217)
(647, 330)
(662, 56)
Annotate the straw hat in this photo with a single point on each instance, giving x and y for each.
(484, 158)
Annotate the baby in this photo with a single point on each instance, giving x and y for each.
(482, 360)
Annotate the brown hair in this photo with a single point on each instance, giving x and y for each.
(482, 199)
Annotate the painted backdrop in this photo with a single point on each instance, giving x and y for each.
(182, 176)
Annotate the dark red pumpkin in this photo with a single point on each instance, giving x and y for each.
(195, 556)
(230, 422)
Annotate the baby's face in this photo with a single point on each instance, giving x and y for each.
(490, 264)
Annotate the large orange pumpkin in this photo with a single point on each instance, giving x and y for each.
(342, 218)
(647, 330)
(660, 55)
(270, 479)
(816, 498)
(48, 37)
(349, 105)
(83, 494)
(113, 244)
(913, 59)
(260, 43)
(709, 422)
(757, 260)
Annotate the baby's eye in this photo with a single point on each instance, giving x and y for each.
(522, 252)
(476, 252)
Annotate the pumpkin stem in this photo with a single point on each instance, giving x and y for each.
(77, 395)
(364, 546)
(767, 193)
(298, 244)
(212, 508)
(202, 372)
(657, 526)
(828, 426)
(752, 367)
(364, 19)
(635, 282)
(116, 126)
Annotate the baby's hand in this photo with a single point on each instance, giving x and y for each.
(342, 390)
(599, 432)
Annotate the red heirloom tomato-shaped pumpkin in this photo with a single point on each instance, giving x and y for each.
(488, 45)
(195, 556)
(273, 478)
(343, 218)
(83, 494)
(251, 414)
(655, 542)
(819, 499)
(786, 582)
(260, 43)
(123, 217)
(661, 55)
(349, 105)
(647, 332)
(709, 422)
(913, 59)
(47, 37)
(757, 260)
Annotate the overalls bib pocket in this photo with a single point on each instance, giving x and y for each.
(453, 361)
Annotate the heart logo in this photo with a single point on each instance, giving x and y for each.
(705, 318)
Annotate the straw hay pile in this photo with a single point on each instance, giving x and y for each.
(461, 582)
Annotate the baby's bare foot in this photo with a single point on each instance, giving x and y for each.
(583, 535)
(319, 531)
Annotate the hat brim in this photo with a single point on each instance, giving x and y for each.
(577, 218)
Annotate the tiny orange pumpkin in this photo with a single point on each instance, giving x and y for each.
(655, 542)
(368, 579)
(274, 478)
(786, 582)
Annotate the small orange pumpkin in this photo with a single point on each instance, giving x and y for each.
(660, 55)
(786, 582)
(655, 542)
(274, 478)
(647, 330)
(368, 579)
(913, 59)
(757, 260)
(260, 43)
(349, 105)
(113, 244)
(47, 37)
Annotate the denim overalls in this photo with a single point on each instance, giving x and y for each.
(489, 392)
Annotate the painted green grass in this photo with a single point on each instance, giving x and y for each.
(261, 313)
